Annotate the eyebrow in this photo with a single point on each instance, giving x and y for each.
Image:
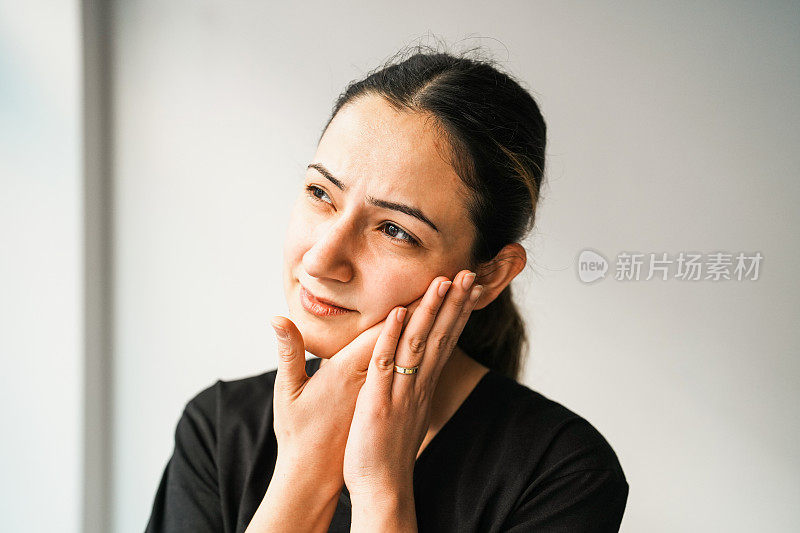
(385, 204)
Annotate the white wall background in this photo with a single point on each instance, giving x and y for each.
(41, 249)
(671, 128)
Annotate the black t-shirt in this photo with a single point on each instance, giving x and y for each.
(509, 459)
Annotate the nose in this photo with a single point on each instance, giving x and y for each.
(329, 257)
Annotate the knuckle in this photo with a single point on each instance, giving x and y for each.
(424, 394)
(443, 341)
(285, 352)
(417, 343)
(385, 361)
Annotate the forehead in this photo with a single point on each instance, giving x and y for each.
(394, 155)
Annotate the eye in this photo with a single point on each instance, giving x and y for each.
(408, 239)
(312, 192)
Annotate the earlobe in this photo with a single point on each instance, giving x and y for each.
(497, 274)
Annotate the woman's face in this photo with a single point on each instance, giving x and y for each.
(346, 242)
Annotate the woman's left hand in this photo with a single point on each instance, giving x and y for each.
(392, 412)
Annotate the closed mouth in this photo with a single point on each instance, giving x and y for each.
(314, 298)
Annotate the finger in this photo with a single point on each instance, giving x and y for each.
(411, 347)
(354, 358)
(381, 369)
(457, 329)
(443, 337)
(291, 374)
(411, 308)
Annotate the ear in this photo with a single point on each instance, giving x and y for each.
(495, 275)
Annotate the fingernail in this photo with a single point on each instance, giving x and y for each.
(475, 294)
(468, 279)
(280, 332)
(401, 314)
(443, 286)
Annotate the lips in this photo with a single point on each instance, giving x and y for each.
(319, 306)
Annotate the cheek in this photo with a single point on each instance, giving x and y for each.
(296, 243)
(293, 248)
(395, 284)
(297, 239)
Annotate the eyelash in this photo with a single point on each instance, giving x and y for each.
(311, 189)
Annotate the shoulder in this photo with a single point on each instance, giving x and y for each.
(556, 440)
(562, 471)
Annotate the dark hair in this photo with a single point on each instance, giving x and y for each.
(496, 135)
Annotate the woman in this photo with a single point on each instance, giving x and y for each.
(397, 270)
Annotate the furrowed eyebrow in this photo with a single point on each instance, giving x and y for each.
(324, 171)
(385, 204)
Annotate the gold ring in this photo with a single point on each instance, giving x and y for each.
(405, 369)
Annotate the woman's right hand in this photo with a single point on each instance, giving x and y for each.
(313, 415)
(312, 421)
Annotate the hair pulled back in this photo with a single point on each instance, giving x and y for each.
(497, 139)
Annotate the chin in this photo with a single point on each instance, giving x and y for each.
(318, 343)
(320, 349)
(317, 339)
